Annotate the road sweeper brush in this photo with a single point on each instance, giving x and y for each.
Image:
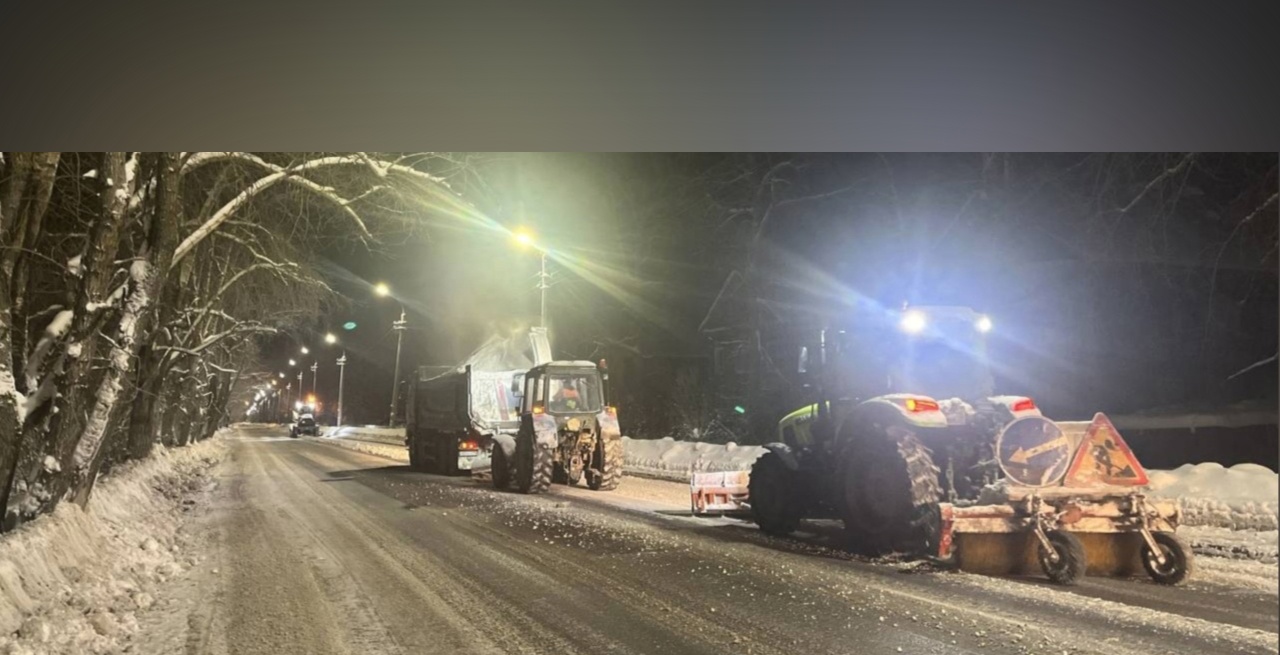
(1072, 503)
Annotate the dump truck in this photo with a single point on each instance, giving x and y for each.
(453, 418)
(567, 431)
(909, 445)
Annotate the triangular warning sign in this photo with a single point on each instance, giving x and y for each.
(1103, 458)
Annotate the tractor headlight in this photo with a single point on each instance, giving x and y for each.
(913, 322)
(984, 324)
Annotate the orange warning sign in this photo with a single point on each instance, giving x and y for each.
(1104, 459)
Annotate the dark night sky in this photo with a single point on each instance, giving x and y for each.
(1088, 309)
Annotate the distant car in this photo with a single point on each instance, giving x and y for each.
(306, 425)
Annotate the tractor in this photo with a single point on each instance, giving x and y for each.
(907, 437)
(567, 431)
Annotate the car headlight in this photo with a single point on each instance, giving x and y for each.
(914, 322)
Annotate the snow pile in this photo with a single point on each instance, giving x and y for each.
(677, 460)
(73, 581)
(382, 435)
(1242, 497)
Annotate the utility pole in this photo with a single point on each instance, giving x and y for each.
(543, 285)
(286, 410)
(342, 370)
(299, 387)
(399, 327)
(314, 379)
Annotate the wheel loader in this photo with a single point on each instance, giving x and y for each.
(910, 447)
(567, 432)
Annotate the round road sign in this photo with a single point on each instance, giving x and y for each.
(1033, 451)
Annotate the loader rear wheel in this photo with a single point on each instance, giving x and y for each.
(606, 470)
(1071, 563)
(772, 492)
(500, 469)
(1178, 563)
(890, 491)
(533, 465)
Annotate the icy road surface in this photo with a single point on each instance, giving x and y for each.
(322, 549)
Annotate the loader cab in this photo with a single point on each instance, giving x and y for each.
(562, 389)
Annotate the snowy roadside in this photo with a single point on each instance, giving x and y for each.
(77, 580)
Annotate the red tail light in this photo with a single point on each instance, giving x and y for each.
(921, 405)
(611, 410)
(1024, 405)
(469, 445)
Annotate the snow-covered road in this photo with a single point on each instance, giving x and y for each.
(328, 550)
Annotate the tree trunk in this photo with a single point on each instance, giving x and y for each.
(148, 279)
(24, 196)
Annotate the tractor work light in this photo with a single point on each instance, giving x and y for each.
(914, 322)
(984, 324)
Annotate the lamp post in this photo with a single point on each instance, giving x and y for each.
(342, 369)
(526, 239)
(399, 327)
(314, 376)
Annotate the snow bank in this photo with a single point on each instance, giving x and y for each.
(72, 581)
(1242, 497)
(382, 435)
(677, 460)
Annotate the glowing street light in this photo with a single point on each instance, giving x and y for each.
(381, 289)
(293, 362)
(526, 239)
(304, 350)
(984, 324)
(330, 338)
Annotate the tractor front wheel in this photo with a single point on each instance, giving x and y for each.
(500, 469)
(606, 465)
(772, 491)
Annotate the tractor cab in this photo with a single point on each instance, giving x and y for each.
(563, 390)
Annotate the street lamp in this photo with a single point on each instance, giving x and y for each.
(330, 338)
(526, 239)
(398, 326)
(381, 289)
(342, 369)
(293, 362)
(304, 350)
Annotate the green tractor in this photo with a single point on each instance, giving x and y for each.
(568, 432)
(905, 418)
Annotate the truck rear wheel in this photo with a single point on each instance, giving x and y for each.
(533, 464)
(772, 493)
(606, 471)
(446, 454)
(416, 461)
(890, 490)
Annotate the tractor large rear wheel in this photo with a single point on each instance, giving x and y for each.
(890, 489)
(772, 491)
(534, 464)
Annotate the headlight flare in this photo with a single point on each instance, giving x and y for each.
(914, 322)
